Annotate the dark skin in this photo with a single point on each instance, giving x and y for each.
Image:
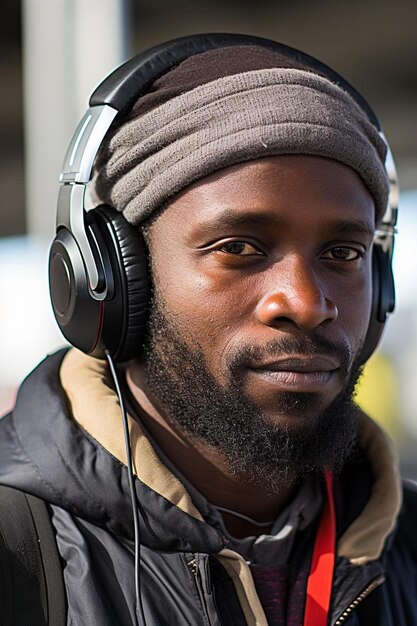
(273, 248)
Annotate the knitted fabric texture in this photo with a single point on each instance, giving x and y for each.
(230, 120)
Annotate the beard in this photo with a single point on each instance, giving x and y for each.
(256, 449)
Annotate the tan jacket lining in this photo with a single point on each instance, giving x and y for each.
(366, 536)
(239, 572)
(94, 405)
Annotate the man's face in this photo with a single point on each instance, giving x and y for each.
(263, 270)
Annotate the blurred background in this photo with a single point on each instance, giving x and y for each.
(52, 56)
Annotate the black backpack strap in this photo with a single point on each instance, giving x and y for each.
(31, 580)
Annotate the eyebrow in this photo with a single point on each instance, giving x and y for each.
(232, 218)
(353, 226)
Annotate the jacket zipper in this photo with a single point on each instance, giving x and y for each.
(194, 566)
(365, 593)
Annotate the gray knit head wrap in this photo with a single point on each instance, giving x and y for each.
(180, 134)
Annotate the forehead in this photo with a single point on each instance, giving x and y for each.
(279, 189)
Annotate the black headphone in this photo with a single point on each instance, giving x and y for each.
(98, 271)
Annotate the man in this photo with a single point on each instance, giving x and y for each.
(258, 184)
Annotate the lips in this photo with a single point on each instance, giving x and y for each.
(300, 363)
(304, 373)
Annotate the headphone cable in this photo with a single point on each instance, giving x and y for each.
(133, 496)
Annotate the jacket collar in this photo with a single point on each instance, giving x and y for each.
(94, 406)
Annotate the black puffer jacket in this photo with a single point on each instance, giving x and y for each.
(67, 447)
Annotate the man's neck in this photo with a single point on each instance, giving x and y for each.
(205, 467)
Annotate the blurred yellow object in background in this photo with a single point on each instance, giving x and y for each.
(377, 393)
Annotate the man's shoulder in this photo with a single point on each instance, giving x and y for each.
(408, 517)
(410, 498)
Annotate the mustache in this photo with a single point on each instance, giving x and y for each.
(291, 346)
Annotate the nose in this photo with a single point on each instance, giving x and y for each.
(296, 297)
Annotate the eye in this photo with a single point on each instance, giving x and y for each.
(239, 248)
(343, 253)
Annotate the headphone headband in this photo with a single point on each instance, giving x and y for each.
(126, 83)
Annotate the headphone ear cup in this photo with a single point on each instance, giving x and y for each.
(383, 300)
(387, 285)
(79, 316)
(125, 312)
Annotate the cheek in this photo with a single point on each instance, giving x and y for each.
(354, 306)
(210, 310)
